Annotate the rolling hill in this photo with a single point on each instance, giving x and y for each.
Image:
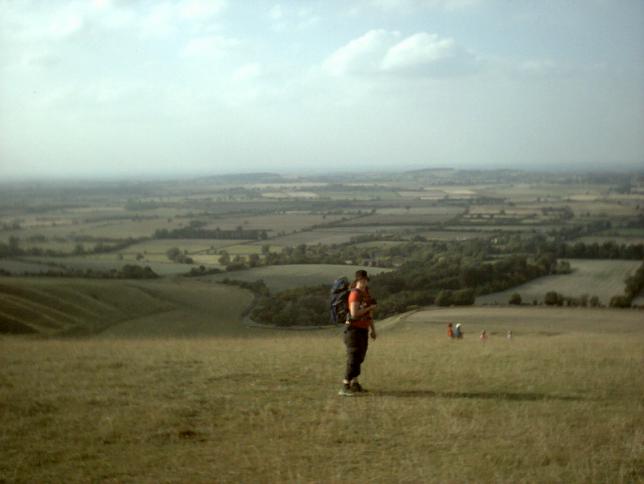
(59, 306)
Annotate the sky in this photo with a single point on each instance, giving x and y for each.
(182, 87)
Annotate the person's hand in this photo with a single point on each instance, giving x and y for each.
(373, 334)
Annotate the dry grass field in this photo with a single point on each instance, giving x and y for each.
(262, 406)
(601, 278)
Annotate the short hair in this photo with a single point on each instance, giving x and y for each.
(361, 274)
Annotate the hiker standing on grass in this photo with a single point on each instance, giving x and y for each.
(356, 333)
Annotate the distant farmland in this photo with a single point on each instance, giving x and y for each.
(279, 278)
(601, 278)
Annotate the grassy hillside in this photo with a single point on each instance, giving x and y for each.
(602, 278)
(542, 407)
(58, 306)
(279, 278)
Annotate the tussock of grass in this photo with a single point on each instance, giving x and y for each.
(565, 408)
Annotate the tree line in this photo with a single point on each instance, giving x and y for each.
(128, 271)
(13, 247)
(197, 232)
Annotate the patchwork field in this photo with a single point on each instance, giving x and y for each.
(601, 278)
(113, 229)
(278, 222)
(280, 278)
(560, 402)
(401, 217)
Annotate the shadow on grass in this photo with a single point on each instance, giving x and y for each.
(508, 396)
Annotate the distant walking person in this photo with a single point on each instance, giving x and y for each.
(356, 333)
(450, 331)
(458, 332)
(483, 336)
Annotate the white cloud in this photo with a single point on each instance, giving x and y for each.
(381, 52)
(306, 18)
(276, 13)
(201, 8)
(282, 18)
(247, 72)
(409, 6)
(167, 18)
(361, 55)
(208, 46)
(65, 24)
(418, 50)
(537, 66)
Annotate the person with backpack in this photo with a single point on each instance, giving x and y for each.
(356, 334)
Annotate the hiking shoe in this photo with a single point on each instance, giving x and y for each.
(345, 391)
(357, 388)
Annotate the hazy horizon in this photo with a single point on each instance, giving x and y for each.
(117, 89)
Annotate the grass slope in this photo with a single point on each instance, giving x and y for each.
(601, 278)
(57, 306)
(539, 408)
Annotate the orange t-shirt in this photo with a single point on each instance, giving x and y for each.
(364, 321)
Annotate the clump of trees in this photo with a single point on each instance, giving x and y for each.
(300, 306)
(259, 287)
(515, 299)
(634, 285)
(202, 271)
(553, 298)
(136, 204)
(196, 230)
(460, 297)
(176, 255)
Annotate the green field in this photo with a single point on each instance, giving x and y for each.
(279, 278)
(601, 278)
(560, 402)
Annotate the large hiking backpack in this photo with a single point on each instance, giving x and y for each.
(339, 301)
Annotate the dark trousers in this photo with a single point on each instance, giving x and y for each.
(356, 340)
